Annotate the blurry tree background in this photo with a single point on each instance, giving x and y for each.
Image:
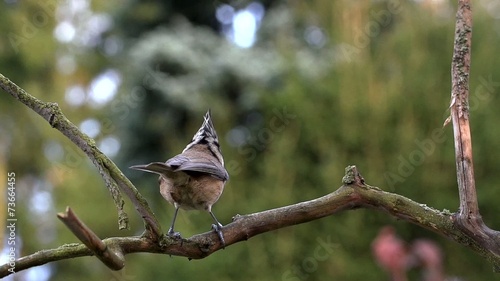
(298, 91)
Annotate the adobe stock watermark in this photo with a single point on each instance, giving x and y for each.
(11, 221)
(426, 147)
(31, 26)
(483, 93)
(302, 271)
(407, 165)
(258, 142)
(371, 30)
(121, 107)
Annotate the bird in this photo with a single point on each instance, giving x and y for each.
(194, 179)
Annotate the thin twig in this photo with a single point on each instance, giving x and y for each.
(117, 199)
(111, 258)
(460, 69)
(468, 219)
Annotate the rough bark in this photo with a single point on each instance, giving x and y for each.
(465, 226)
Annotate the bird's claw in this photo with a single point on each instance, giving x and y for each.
(174, 234)
(218, 229)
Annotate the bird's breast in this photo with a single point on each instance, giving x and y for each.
(191, 191)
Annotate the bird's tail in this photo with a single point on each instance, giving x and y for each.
(155, 167)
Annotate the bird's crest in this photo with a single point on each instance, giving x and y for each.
(206, 134)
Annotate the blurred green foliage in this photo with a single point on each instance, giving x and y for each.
(291, 115)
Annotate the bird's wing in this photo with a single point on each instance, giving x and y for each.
(183, 163)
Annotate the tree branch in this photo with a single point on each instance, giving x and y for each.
(112, 259)
(108, 170)
(460, 69)
(468, 218)
(465, 227)
(353, 194)
(42, 257)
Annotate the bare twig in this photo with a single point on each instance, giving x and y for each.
(119, 203)
(460, 69)
(111, 258)
(468, 218)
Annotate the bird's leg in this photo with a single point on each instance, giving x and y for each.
(171, 232)
(217, 227)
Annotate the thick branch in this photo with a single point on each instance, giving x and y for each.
(353, 194)
(112, 259)
(108, 170)
(45, 256)
(470, 232)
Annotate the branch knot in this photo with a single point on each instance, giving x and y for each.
(352, 176)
